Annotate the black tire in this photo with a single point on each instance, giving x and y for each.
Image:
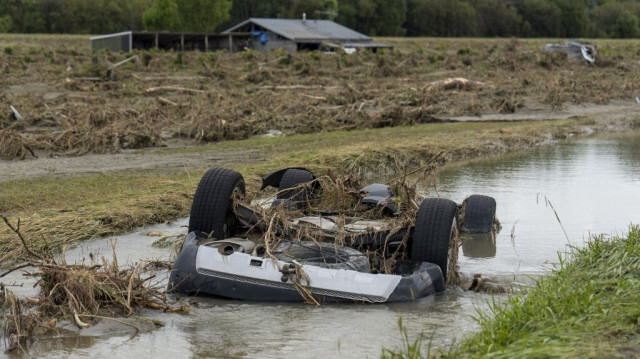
(479, 214)
(326, 255)
(435, 223)
(211, 210)
(287, 191)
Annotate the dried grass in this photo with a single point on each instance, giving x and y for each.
(14, 145)
(294, 93)
(17, 320)
(339, 200)
(80, 292)
(44, 231)
(99, 133)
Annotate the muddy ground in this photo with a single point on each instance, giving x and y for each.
(71, 103)
(64, 166)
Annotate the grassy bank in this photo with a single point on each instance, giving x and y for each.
(587, 307)
(65, 210)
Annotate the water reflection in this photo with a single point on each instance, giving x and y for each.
(581, 187)
(225, 329)
(479, 245)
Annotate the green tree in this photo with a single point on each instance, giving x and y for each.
(389, 18)
(202, 15)
(356, 14)
(26, 15)
(81, 16)
(618, 20)
(314, 9)
(161, 16)
(496, 18)
(462, 19)
(5, 23)
(574, 17)
(106, 16)
(374, 17)
(541, 18)
(440, 18)
(135, 13)
(626, 25)
(244, 9)
(421, 18)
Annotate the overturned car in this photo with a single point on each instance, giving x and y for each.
(379, 247)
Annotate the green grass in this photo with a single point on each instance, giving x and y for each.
(60, 194)
(370, 147)
(55, 211)
(587, 307)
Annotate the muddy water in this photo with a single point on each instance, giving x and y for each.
(593, 185)
(549, 199)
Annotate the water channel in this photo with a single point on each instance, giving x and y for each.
(547, 199)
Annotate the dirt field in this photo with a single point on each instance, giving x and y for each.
(71, 102)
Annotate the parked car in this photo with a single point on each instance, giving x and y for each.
(318, 255)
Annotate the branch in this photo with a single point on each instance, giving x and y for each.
(431, 160)
(171, 89)
(14, 269)
(16, 230)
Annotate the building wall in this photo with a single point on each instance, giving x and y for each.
(114, 42)
(288, 45)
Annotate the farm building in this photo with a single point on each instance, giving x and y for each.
(301, 34)
(254, 33)
(176, 41)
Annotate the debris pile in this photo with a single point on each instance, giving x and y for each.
(14, 145)
(207, 97)
(83, 293)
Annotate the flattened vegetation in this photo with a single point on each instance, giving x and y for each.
(73, 105)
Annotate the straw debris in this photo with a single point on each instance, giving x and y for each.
(339, 200)
(82, 292)
(294, 93)
(13, 145)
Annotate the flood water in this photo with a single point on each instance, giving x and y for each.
(551, 197)
(592, 185)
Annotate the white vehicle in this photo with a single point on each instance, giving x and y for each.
(215, 261)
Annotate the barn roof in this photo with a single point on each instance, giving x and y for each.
(302, 30)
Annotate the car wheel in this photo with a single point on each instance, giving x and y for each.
(436, 223)
(212, 207)
(479, 213)
(326, 255)
(289, 190)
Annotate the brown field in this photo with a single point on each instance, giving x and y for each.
(327, 104)
(74, 102)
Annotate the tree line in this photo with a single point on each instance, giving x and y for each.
(444, 18)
